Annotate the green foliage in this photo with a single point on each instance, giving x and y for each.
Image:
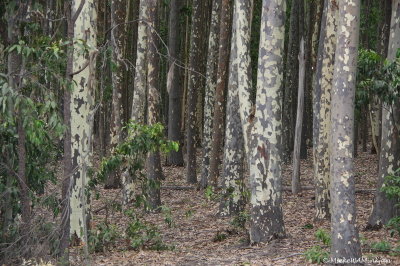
(219, 237)
(189, 213)
(308, 226)
(168, 219)
(131, 154)
(394, 226)
(144, 235)
(323, 236)
(240, 220)
(391, 185)
(210, 194)
(388, 86)
(382, 246)
(316, 254)
(103, 237)
(33, 102)
(368, 72)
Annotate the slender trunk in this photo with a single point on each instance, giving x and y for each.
(322, 104)
(299, 122)
(222, 79)
(209, 96)
(67, 162)
(174, 86)
(345, 240)
(118, 10)
(389, 161)
(290, 87)
(193, 89)
(82, 119)
(154, 171)
(140, 88)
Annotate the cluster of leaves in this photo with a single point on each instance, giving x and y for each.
(240, 220)
(319, 254)
(376, 76)
(32, 102)
(391, 185)
(138, 233)
(131, 153)
(144, 235)
(103, 237)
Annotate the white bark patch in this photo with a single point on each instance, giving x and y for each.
(82, 117)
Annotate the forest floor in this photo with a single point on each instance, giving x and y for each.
(196, 228)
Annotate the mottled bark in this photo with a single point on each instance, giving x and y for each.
(174, 86)
(154, 171)
(290, 87)
(323, 89)
(299, 122)
(209, 95)
(193, 89)
(243, 13)
(389, 161)
(118, 12)
(266, 137)
(345, 240)
(232, 201)
(222, 80)
(139, 88)
(67, 162)
(82, 118)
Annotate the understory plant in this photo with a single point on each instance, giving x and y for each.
(319, 254)
(130, 156)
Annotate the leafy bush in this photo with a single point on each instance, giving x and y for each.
(323, 236)
(103, 237)
(240, 220)
(316, 254)
(392, 185)
(219, 237)
(382, 246)
(143, 235)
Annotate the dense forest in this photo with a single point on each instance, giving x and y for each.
(199, 132)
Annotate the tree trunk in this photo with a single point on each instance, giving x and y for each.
(299, 122)
(15, 80)
(243, 11)
(222, 79)
(384, 208)
(118, 12)
(82, 119)
(174, 86)
(232, 201)
(292, 71)
(154, 171)
(375, 107)
(139, 89)
(193, 89)
(322, 103)
(345, 241)
(266, 141)
(67, 162)
(209, 96)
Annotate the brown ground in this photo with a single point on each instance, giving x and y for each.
(196, 225)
